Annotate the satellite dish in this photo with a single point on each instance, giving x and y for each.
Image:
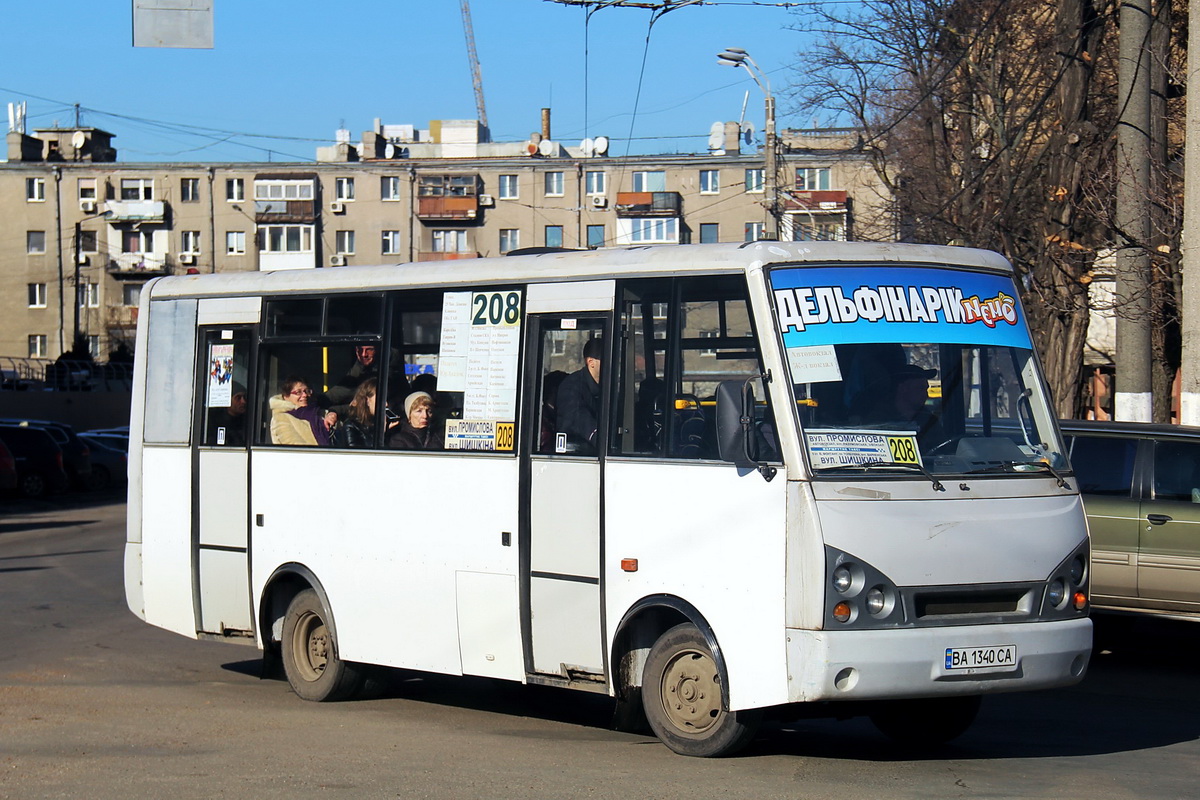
(531, 148)
(601, 145)
(748, 132)
(588, 147)
(547, 147)
(389, 151)
(78, 140)
(716, 136)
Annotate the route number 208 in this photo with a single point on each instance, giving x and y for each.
(496, 308)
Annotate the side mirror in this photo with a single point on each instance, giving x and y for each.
(735, 422)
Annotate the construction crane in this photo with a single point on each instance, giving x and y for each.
(476, 75)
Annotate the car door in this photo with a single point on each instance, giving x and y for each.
(1169, 543)
(1104, 470)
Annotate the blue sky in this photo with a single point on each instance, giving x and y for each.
(302, 68)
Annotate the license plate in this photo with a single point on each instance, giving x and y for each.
(1001, 655)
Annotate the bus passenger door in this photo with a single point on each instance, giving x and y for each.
(221, 522)
(561, 492)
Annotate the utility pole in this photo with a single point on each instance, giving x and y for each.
(1189, 401)
(1133, 399)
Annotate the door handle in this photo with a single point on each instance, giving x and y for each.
(1158, 519)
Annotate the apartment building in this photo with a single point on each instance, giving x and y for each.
(84, 232)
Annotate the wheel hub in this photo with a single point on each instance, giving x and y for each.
(691, 692)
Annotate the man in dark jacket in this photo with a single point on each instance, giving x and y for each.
(578, 404)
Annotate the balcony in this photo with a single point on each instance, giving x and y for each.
(302, 211)
(122, 317)
(448, 208)
(648, 204)
(139, 266)
(135, 211)
(815, 201)
(429, 256)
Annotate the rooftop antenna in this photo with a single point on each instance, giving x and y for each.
(745, 99)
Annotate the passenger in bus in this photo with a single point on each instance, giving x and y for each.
(366, 365)
(909, 404)
(227, 426)
(416, 430)
(358, 427)
(579, 400)
(295, 420)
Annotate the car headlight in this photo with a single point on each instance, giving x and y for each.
(843, 579)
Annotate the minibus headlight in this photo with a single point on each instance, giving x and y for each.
(843, 579)
(1056, 593)
(1078, 570)
(876, 601)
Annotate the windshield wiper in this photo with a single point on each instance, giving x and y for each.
(871, 465)
(1023, 466)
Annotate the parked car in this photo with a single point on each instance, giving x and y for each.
(1141, 491)
(39, 460)
(8, 469)
(77, 459)
(110, 464)
(111, 437)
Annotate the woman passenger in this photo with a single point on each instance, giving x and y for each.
(358, 430)
(416, 430)
(294, 420)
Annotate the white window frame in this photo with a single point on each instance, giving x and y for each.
(189, 242)
(390, 243)
(131, 294)
(283, 190)
(654, 230)
(304, 235)
(143, 188)
(93, 340)
(344, 189)
(86, 188)
(38, 345)
(31, 247)
(88, 295)
(650, 180)
(753, 231)
(450, 240)
(145, 241)
(819, 175)
(562, 234)
(37, 295)
(189, 190)
(596, 182)
(35, 190)
(343, 243)
(756, 180)
(510, 239)
(389, 188)
(509, 187)
(710, 181)
(235, 190)
(709, 335)
(235, 243)
(554, 183)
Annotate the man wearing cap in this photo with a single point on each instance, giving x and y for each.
(579, 400)
(910, 393)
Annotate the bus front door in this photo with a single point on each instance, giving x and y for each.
(221, 523)
(562, 494)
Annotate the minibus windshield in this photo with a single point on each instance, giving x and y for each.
(902, 367)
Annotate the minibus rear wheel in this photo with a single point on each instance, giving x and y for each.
(310, 654)
(681, 694)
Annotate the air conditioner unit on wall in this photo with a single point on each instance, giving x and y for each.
(87, 206)
(487, 200)
(337, 208)
(599, 201)
(337, 261)
(187, 259)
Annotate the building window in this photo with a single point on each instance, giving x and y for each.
(709, 233)
(35, 242)
(812, 179)
(285, 239)
(37, 345)
(189, 190)
(812, 231)
(596, 182)
(283, 190)
(87, 241)
(754, 231)
(754, 180)
(344, 189)
(510, 239)
(37, 295)
(654, 230)
(595, 236)
(94, 344)
(509, 187)
(710, 181)
(87, 188)
(137, 242)
(35, 190)
(389, 187)
(235, 190)
(450, 242)
(88, 295)
(189, 242)
(645, 181)
(235, 243)
(554, 184)
(344, 243)
(390, 244)
(137, 189)
(554, 236)
(131, 293)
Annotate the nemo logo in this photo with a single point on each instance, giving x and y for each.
(1000, 308)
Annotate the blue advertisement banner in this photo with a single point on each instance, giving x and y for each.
(823, 306)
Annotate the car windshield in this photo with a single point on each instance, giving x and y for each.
(892, 375)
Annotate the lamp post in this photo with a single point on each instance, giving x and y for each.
(737, 57)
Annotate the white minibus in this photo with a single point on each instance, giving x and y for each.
(819, 478)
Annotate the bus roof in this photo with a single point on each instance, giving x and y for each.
(573, 265)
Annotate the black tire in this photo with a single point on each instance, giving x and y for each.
(925, 723)
(681, 695)
(310, 653)
(33, 484)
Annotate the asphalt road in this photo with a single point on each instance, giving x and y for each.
(94, 703)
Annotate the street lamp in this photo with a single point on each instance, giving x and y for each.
(737, 57)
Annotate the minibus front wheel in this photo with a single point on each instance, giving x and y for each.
(310, 657)
(681, 694)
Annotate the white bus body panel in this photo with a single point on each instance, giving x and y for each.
(387, 534)
(167, 538)
(717, 537)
